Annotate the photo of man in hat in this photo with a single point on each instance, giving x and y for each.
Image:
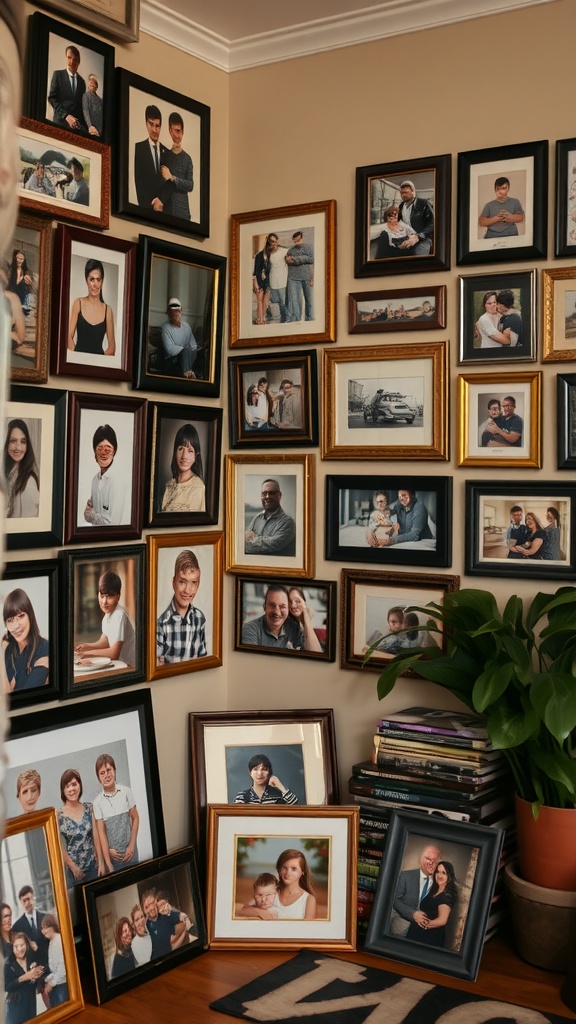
(179, 346)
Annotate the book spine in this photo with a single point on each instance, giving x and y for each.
(435, 740)
(394, 805)
(423, 791)
(437, 730)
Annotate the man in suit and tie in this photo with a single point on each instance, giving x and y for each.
(30, 923)
(411, 888)
(149, 156)
(66, 91)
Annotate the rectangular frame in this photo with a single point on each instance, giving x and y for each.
(526, 167)
(565, 233)
(38, 863)
(360, 623)
(559, 330)
(413, 383)
(43, 596)
(326, 837)
(317, 637)
(113, 898)
(88, 13)
(316, 223)
(477, 324)
(36, 140)
(395, 317)
(566, 417)
(31, 318)
(474, 851)
(243, 492)
(274, 426)
(487, 517)
(348, 504)
(204, 425)
(163, 549)
(476, 392)
(377, 187)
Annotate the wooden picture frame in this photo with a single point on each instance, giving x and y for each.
(309, 610)
(285, 413)
(120, 23)
(30, 302)
(565, 222)
(183, 426)
(426, 310)
(32, 587)
(493, 332)
(566, 416)
(559, 304)
(491, 408)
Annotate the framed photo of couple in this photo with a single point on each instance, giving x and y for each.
(499, 419)
(298, 617)
(498, 318)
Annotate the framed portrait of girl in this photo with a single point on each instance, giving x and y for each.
(29, 666)
(184, 448)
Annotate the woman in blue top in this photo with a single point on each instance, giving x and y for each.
(26, 660)
(81, 847)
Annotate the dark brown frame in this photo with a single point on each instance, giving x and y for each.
(158, 415)
(385, 326)
(37, 373)
(33, 571)
(329, 639)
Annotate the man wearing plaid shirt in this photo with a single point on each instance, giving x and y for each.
(180, 630)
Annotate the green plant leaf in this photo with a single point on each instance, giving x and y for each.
(554, 698)
(558, 766)
(518, 653)
(491, 684)
(511, 727)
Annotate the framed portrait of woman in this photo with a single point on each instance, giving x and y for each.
(26, 275)
(29, 663)
(184, 446)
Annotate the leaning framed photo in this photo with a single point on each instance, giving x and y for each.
(466, 858)
(500, 419)
(559, 302)
(527, 529)
(502, 204)
(282, 276)
(565, 234)
(266, 496)
(566, 414)
(292, 617)
(254, 857)
(498, 318)
(184, 449)
(386, 402)
(26, 277)
(389, 519)
(121, 21)
(403, 217)
(30, 664)
(397, 309)
(377, 612)
(273, 400)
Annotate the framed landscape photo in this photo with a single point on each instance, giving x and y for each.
(282, 276)
(290, 617)
(386, 402)
(29, 596)
(26, 276)
(163, 156)
(273, 400)
(403, 217)
(397, 309)
(565, 234)
(498, 318)
(499, 419)
(184, 446)
(121, 21)
(566, 413)
(502, 203)
(559, 302)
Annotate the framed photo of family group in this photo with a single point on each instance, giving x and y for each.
(273, 400)
(397, 309)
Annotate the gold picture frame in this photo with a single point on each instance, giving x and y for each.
(559, 331)
(482, 439)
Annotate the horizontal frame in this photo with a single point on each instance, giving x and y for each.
(476, 392)
(327, 838)
(565, 233)
(40, 583)
(413, 383)
(280, 418)
(307, 636)
(565, 412)
(481, 324)
(31, 319)
(559, 304)
(164, 425)
(125, 27)
(426, 310)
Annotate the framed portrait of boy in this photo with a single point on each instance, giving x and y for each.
(30, 660)
(26, 275)
(273, 400)
(184, 446)
(292, 617)
(498, 317)
(499, 419)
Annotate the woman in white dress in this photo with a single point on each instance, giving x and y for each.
(295, 897)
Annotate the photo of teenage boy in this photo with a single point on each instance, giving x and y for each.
(28, 789)
(265, 890)
(176, 917)
(501, 215)
(180, 629)
(116, 817)
(118, 639)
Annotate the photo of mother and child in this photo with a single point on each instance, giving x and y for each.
(289, 894)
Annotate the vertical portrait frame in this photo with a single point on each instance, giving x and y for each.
(38, 233)
(566, 412)
(208, 424)
(559, 288)
(46, 595)
(565, 224)
(523, 285)
(472, 450)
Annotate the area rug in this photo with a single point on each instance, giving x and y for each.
(325, 990)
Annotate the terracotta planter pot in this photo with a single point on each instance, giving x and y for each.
(544, 922)
(547, 846)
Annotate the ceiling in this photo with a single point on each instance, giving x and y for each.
(235, 34)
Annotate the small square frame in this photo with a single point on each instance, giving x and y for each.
(475, 392)
(317, 640)
(164, 423)
(559, 304)
(295, 429)
(41, 583)
(32, 236)
(366, 318)
(473, 327)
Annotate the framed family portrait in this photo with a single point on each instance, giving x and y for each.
(273, 400)
(397, 309)
(30, 661)
(389, 519)
(266, 496)
(386, 402)
(121, 21)
(565, 234)
(63, 175)
(105, 595)
(559, 302)
(498, 318)
(92, 315)
(106, 436)
(184, 445)
(525, 530)
(26, 276)
(255, 854)
(403, 217)
(465, 859)
(282, 275)
(378, 612)
(503, 203)
(185, 584)
(499, 419)
(163, 156)
(566, 414)
(288, 617)
(34, 424)
(180, 315)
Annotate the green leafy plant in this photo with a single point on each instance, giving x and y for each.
(518, 669)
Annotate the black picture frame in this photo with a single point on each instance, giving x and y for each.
(526, 168)
(349, 502)
(473, 329)
(44, 408)
(300, 369)
(565, 234)
(566, 418)
(164, 424)
(40, 582)
(198, 280)
(48, 41)
(430, 175)
(319, 597)
(488, 506)
(134, 94)
(475, 851)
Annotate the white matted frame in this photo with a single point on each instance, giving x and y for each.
(479, 443)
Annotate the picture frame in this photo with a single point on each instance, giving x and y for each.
(566, 410)
(171, 427)
(474, 854)
(565, 222)
(401, 390)
(524, 237)
(54, 149)
(32, 587)
(110, 265)
(282, 551)
(500, 419)
(196, 279)
(559, 326)
(489, 517)
(480, 317)
(118, 897)
(119, 23)
(114, 510)
(32, 865)
(378, 186)
(291, 392)
(30, 300)
(309, 610)
(38, 500)
(370, 597)
(180, 565)
(426, 310)
(96, 609)
(136, 182)
(349, 501)
(309, 315)
(49, 96)
(325, 839)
